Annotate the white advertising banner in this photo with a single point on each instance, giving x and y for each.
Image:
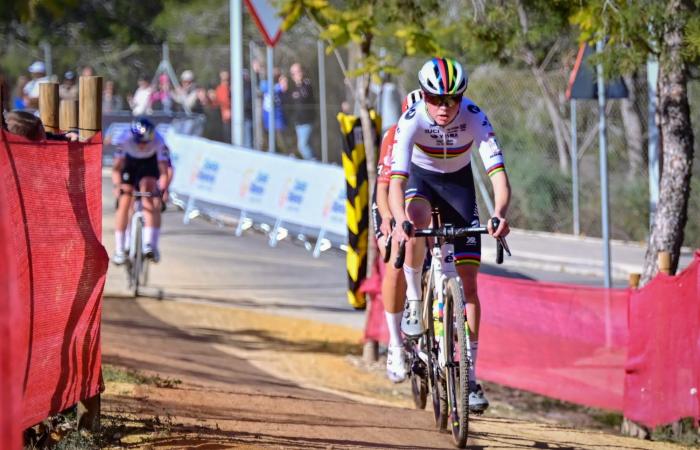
(299, 192)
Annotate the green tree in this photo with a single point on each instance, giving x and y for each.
(669, 31)
(72, 22)
(532, 33)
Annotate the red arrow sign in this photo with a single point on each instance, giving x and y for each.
(267, 19)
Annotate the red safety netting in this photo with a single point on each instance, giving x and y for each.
(53, 199)
(562, 341)
(9, 382)
(375, 327)
(663, 366)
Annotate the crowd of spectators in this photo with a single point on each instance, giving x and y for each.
(291, 100)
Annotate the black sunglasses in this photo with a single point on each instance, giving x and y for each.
(439, 100)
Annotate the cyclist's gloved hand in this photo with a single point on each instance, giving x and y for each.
(503, 228)
(386, 226)
(404, 232)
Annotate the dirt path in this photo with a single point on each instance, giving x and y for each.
(246, 381)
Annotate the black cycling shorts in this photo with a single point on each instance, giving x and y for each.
(135, 169)
(454, 195)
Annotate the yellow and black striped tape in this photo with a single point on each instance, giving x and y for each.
(357, 203)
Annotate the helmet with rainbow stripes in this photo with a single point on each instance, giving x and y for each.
(442, 76)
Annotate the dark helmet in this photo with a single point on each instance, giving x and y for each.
(142, 129)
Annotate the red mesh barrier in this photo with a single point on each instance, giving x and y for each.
(562, 341)
(54, 202)
(375, 326)
(9, 382)
(663, 366)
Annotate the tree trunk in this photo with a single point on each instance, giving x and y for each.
(558, 125)
(677, 141)
(633, 130)
(368, 138)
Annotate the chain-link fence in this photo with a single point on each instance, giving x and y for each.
(538, 161)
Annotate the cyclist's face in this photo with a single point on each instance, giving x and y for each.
(442, 109)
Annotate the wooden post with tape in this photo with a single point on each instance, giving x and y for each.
(48, 106)
(90, 122)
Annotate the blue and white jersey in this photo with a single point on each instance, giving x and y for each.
(126, 146)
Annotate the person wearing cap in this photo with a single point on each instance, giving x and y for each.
(68, 90)
(37, 72)
(186, 94)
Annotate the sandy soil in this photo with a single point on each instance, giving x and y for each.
(255, 380)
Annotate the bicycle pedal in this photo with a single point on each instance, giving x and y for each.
(417, 368)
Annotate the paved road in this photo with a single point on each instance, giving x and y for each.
(205, 262)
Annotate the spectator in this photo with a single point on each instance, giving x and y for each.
(299, 99)
(68, 90)
(247, 111)
(25, 124)
(186, 94)
(19, 98)
(140, 103)
(162, 98)
(111, 101)
(223, 101)
(206, 106)
(87, 71)
(38, 75)
(275, 98)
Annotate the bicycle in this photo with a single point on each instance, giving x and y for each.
(136, 264)
(435, 362)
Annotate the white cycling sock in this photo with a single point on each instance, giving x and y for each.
(119, 240)
(155, 236)
(472, 352)
(148, 236)
(393, 323)
(413, 291)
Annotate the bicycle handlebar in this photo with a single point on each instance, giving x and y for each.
(451, 233)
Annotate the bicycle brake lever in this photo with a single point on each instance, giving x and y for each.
(505, 245)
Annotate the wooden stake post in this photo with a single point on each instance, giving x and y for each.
(68, 115)
(663, 259)
(90, 122)
(90, 115)
(48, 106)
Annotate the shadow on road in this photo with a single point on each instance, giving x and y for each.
(257, 304)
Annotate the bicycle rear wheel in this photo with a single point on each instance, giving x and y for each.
(420, 357)
(458, 362)
(419, 373)
(144, 272)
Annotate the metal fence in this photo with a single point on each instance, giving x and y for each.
(538, 165)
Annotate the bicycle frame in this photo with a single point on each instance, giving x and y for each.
(442, 269)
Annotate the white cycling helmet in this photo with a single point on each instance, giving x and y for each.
(442, 76)
(411, 98)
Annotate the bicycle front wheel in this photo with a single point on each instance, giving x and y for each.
(438, 390)
(137, 263)
(456, 342)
